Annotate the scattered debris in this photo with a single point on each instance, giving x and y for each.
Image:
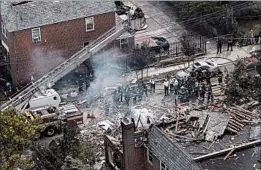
(255, 132)
(218, 153)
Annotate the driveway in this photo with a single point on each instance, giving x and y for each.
(160, 19)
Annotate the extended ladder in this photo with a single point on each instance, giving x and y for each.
(69, 65)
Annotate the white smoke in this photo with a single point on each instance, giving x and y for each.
(107, 72)
(43, 61)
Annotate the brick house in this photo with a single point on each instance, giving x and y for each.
(145, 150)
(39, 35)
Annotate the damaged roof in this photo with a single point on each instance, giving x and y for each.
(168, 152)
(39, 13)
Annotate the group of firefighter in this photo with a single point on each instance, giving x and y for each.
(196, 85)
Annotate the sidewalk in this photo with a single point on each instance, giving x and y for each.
(221, 59)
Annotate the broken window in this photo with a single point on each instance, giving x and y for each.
(89, 23)
(36, 34)
(124, 43)
(149, 156)
(163, 166)
(4, 30)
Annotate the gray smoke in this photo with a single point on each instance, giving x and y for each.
(108, 71)
(43, 61)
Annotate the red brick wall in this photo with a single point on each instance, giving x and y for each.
(58, 41)
(155, 165)
(134, 158)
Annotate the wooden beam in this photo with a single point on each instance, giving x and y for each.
(177, 122)
(221, 152)
(232, 130)
(229, 153)
(243, 110)
(240, 115)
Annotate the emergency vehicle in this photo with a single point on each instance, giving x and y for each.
(53, 119)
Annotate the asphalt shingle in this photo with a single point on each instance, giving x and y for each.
(174, 157)
(39, 13)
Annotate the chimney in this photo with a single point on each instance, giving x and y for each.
(128, 143)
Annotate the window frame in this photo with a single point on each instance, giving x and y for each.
(126, 43)
(39, 38)
(87, 22)
(165, 166)
(4, 31)
(149, 154)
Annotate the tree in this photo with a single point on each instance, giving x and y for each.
(74, 164)
(15, 136)
(187, 44)
(141, 58)
(242, 85)
(213, 18)
(68, 151)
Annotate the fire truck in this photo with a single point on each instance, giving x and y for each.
(42, 86)
(51, 119)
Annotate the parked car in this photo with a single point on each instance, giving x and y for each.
(156, 44)
(205, 66)
(202, 66)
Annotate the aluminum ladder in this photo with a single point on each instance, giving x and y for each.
(64, 68)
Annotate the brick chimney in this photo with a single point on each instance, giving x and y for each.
(133, 158)
(128, 143)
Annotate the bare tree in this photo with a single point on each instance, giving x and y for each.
(142, 57)
(188, 46)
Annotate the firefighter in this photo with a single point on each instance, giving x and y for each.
(230, 44)
(219, 45)
(183, 94)
(208, 77)
(210, 95)
(152, 85)
(199, 76)
(127, 95)
(120, 93)
(196, 89)
(145, 89)
(189, 85)
(220, 78)
(202, 92)
(176, 86)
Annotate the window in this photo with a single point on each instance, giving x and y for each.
(163, 166)
(89, 23)
(36, 34)
(124, 43)
(197, 64)
(149, 156)
(4, 30)
(211, 64)
(86, 43)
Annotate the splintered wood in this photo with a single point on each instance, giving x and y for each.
(238, 118)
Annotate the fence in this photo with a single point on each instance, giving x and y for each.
(176, 49)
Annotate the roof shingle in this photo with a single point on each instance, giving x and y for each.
(39, 13)
(174, 157)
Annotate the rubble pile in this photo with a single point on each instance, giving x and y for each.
(207, 124)
(239, 117)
